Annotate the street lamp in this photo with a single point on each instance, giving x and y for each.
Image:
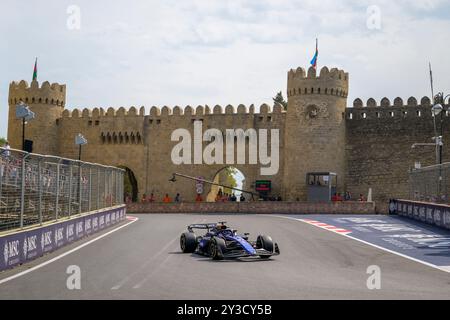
(80, 141)
(437, 110)
(23, 112)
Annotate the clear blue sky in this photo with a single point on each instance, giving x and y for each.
(196, 52)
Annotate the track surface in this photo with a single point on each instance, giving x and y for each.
(143, 261)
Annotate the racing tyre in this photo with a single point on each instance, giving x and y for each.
(266, 243)
(188, 242)
(216, 247)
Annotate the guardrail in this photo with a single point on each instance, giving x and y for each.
(35, 188)
(431, 213)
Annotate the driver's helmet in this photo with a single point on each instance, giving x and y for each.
(221, 226)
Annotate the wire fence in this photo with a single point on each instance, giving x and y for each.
(35, 188)
(430, 184)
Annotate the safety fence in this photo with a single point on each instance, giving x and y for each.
(430, 184)
(36, 188)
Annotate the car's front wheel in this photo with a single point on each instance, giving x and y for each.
(216, 246)
(266, 243)
(188, 242)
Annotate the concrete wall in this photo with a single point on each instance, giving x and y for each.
(255, 208)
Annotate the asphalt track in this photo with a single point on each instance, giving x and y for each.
(143, 261)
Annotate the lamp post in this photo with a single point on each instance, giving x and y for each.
(436, 110)
(80, 141)
(23, 112)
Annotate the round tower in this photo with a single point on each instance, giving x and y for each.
(47, 102)
(315, 128)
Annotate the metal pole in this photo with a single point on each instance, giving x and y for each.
(22, 192)
(105, 190)
(79, 188)
(98, 188)
(40, 190)
(57, 189)
(111, 181)
(90, 190)
(70, 190)
(79, 152)
(23, 134)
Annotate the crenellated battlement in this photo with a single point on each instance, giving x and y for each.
(397, 102)
(176, 111)
(52, 94)
(332, 82)
(385, 109)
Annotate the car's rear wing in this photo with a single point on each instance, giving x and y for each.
(203, 226)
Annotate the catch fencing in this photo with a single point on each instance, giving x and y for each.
(37, 188)
(430, 184)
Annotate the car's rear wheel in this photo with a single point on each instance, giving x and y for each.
(266, 243)
(216, 247)
(188, 242)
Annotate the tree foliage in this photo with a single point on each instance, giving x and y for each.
(2, 141)
(280, 100)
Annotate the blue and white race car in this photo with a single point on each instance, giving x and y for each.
(220, 242)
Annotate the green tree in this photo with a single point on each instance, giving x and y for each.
(2, 141)
(280, 99)
(229, 179)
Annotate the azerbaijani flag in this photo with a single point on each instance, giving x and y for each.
(35, 71)
(316, 55)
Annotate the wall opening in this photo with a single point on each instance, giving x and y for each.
(228, 176)
(130, 187)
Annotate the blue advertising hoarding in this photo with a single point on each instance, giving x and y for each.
(24, 246)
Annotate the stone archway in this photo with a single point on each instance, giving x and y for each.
(228, 176)
(130, 184)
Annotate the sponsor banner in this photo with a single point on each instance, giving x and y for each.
(25, 246)
(434, 214)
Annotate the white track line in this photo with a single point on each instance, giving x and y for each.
(64, 254)
(443, 268)
(149, 261)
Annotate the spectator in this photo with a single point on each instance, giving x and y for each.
(233, 198)
(167, 199)
(7, 149)
(151, 198)
(198, 198)
(178, 198)
(361, 198)
(144, 198)
(334, 197)
(279, 198)
(242, 198)
(348, 196)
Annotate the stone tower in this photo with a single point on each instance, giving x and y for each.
(315, 128)
(47, 102)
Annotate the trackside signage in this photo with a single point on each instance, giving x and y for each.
(25, 246)
(434, 214)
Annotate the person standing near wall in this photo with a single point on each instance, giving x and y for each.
(167, 199)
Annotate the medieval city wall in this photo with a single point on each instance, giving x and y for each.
(368, 145)
(142, 142)
(379, 144)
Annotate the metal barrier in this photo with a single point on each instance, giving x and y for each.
(430, 184)
(37, 188)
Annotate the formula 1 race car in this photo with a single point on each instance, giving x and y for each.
(220, 242)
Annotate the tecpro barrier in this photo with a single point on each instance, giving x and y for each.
(23, 246)
(431, 213)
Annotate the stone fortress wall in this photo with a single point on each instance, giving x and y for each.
(368, 146)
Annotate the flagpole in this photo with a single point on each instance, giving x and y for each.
(431, 81)
(317, 51)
